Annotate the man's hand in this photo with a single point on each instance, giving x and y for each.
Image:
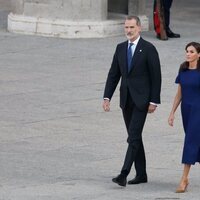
(106, 105)
(151, 108)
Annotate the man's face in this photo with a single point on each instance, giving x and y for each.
(132, 30)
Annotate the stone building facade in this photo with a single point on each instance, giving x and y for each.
(73, 18)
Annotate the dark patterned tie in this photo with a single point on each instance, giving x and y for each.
(129, 56)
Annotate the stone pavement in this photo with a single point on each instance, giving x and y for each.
(56, 143)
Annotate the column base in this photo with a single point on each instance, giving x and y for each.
(68, 29)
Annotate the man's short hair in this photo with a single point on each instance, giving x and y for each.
(136, 18)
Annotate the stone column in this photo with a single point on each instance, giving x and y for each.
(138, 7)
(73, 18)
(5, 5)
(17, 6)
(63, 18)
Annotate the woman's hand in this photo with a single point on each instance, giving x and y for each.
(171, 119)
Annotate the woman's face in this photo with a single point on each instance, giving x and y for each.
(191, 54)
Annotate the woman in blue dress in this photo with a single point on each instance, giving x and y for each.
(188, 94)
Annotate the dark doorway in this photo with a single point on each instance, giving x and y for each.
(118, 6)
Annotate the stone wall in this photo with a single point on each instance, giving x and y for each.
(5, 5)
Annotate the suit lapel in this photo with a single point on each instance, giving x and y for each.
(137, 54)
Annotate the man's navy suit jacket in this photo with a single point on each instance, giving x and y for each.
(144, 79)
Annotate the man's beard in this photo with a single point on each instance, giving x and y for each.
(129, 35)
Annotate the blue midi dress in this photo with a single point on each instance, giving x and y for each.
(190, 110)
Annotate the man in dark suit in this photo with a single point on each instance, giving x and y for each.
(136, 63)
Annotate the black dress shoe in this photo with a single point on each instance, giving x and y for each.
(120, 180)
(170, 34)
(138, 180)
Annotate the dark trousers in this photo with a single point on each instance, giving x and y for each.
(167, 5)
(134, 120)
